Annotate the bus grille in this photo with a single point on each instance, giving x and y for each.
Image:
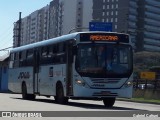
(105, 93)
(109, 80)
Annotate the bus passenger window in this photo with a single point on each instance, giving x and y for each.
(11, 60)
(16, 60)
(55, 48)
(45, 55)
(29, 59)
(20, 59)
(50, 54)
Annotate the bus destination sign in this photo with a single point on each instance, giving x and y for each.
(108, 37)
(103, 37)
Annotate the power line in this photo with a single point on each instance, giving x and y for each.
(6, 30)
(6, 48)
(5, 41)
(4, 36)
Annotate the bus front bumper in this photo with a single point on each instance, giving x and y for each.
(86, 92)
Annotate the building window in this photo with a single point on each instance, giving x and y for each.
(107, 6)
(111, 19)
(112, 6)
(116, 20)
(115, 26)
(103, 6)
(107, 13)
(112, 13)
(107, 20)
(103, 13)
(116, 5)
(116, 12)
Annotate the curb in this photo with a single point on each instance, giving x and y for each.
(5, 91)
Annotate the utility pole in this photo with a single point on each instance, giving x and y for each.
(19, 30)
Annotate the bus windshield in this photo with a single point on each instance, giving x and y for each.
(104, 60)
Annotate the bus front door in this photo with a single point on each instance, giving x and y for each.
(69, 72)
(36, 72)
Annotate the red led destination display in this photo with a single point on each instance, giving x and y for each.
(108, 37)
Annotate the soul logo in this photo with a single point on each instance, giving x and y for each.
(24, 75)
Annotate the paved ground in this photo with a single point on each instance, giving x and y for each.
(13, 102)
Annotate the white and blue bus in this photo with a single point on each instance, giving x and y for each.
(81, 65)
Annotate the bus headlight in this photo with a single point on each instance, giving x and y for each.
(80, 82)
(128, 84)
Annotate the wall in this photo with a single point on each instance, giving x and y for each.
(3, 76)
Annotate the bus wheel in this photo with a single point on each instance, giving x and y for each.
(24, 91)
(31, 96)
(109, 102)
(59, 98)
(25, 95)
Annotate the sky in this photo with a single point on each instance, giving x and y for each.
(9, 13)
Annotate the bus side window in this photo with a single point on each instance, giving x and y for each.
(23, 59)
(55, 51)
(44, 55)
(55, 48)
(11, 60)
(61, 53)
(20, 59)
(16, 60)
(50, 54)
(29, 58)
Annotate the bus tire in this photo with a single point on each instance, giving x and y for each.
(109, 102)
(60, 98)
(24, 91)
(25, 95)
(31, 96)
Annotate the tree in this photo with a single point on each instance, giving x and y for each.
(144, 60)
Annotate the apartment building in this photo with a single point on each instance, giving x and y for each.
(139, 18)
(68, 15)
(34, 27)
(149, 20)
(58, 18)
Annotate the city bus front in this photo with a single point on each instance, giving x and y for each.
(103, 66)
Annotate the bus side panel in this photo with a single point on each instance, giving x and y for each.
(45, 81)
(19, 75)
(14, 83)
(48, 77)
(125, 92)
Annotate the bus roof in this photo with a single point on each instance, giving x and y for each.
(44, 42)
(54, 40)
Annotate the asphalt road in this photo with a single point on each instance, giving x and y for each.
(93, 109)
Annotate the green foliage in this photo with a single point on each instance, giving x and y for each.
(144, 60)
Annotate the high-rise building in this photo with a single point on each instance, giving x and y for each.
(148, 31)
(139, 18)
(34, 27)
(58, 18)
(68, 15)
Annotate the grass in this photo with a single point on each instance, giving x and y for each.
(145, 100)
(141, 100)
